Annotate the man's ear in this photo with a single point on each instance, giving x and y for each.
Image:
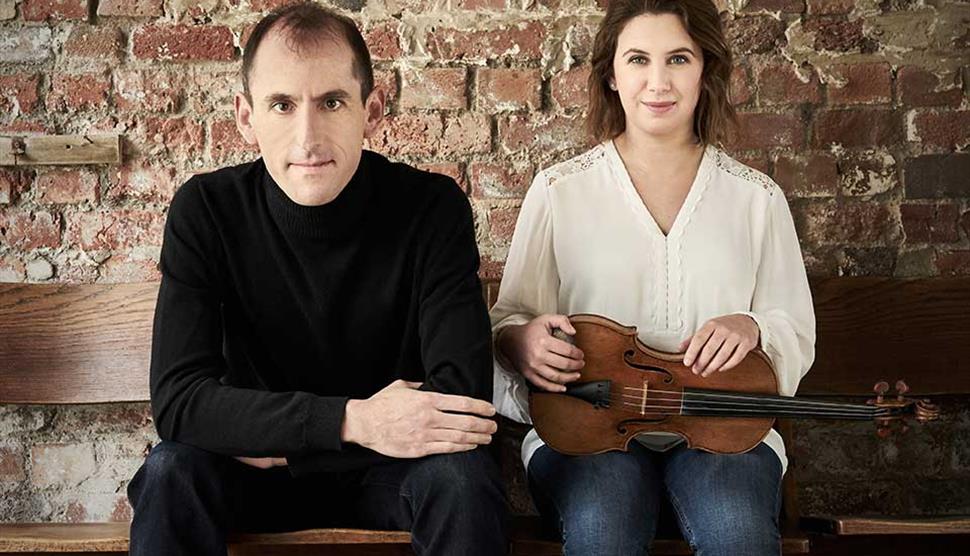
(244, 114)
(373, 111)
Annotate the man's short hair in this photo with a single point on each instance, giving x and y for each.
(307, 24)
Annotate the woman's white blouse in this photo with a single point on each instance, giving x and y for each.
(584, 242)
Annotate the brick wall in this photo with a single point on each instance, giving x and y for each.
(858, 109)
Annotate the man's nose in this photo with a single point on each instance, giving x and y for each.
(309, 128)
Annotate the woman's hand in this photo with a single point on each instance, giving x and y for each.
(544, 360)
(720, 344)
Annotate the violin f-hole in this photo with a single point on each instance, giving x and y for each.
(628, 359)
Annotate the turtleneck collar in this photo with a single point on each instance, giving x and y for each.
(337, 218)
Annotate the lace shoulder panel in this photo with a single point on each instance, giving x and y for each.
(745, 172)
(574, 165)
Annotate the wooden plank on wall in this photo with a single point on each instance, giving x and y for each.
(95, 148)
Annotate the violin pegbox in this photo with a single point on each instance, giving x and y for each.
(899, 407)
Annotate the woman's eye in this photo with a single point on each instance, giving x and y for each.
(679, 59)
(638, 60)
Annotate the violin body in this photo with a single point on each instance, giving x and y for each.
(651, 381)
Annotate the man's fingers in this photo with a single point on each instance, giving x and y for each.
(565, 349)
(555, 375)
(400, 383)
(739, 354)
(467, 423)
(460, 437)
(562, 323)
(696, 343)
(462, 404)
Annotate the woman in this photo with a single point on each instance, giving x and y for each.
(657, 228)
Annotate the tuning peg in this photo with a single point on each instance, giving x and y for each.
(880, 388)
(901, 388)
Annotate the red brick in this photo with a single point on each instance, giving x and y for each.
(546, 136)
(465, 134)
(75, 512)
(449, 169)
(936, 176)
(84, 91)
(13, 183)
(783, 6)
(437, 88)
(228, 144)
(267, 5)
(778, 83)
(867, 173)
(115, 230)
(94, 42)
(383, 40)
(570, 88)
(143, 182)
(858, 128)
(21, 126)
(130, 8)
(829, 7)
(853, 223)
(501, 224)
(211, 87)
(522, 42)
(768, 131)
(953, 263)
(741, 91)
(757, 160)
(965, 223)
(949, 129)
(11, 461)
(67, 187)
(496, 180)
(491, 270)
(41, 10)
(183, 42)
(919, 87)
(24, 230)
(19, 89)
(835, 33)
(860, 83)
(929, 223)
(154, 91)
(755, 34)
(11, 268)
(172, 136)
(122, 510)
(408, 134)
(508, 89)
(812, 175)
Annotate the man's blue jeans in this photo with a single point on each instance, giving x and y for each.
(608, 504)
(187, 500)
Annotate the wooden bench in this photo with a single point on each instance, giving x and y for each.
(82, 344)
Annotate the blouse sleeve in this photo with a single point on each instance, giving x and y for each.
(782, 302)
(529, 288)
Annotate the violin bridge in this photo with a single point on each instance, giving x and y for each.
(643, 399)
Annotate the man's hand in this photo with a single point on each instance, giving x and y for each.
(720, 344)
(262, 463)
(543, 359)
(403, 422)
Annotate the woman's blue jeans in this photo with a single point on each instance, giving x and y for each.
(608, 504)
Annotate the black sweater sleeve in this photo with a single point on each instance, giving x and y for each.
(190, 402)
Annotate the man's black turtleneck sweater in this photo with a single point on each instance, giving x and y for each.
(271, 314)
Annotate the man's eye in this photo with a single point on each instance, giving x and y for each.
(333, 103)
(679, 59)
(281, 107)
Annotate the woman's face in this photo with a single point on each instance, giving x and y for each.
(657, 71)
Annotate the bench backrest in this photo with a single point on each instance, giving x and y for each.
(90, 343)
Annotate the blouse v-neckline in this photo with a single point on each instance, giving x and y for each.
(635, 202)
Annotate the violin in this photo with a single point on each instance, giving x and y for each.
(627, 388)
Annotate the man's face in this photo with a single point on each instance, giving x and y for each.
(307, 116)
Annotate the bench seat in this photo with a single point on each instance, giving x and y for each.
(895, 525)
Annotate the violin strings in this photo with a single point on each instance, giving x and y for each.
(748, 397)
(781, 402)
(676, 410)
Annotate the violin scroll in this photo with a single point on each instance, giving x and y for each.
(898, 407)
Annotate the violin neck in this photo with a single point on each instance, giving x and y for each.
(738, 404)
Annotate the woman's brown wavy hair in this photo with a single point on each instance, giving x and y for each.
(714, 116)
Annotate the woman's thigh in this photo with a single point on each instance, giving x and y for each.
(726, 503)
(601, 504)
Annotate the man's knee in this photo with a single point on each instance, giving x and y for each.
(463, 476)
(172, 468)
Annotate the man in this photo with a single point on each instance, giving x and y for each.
(321, 347)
